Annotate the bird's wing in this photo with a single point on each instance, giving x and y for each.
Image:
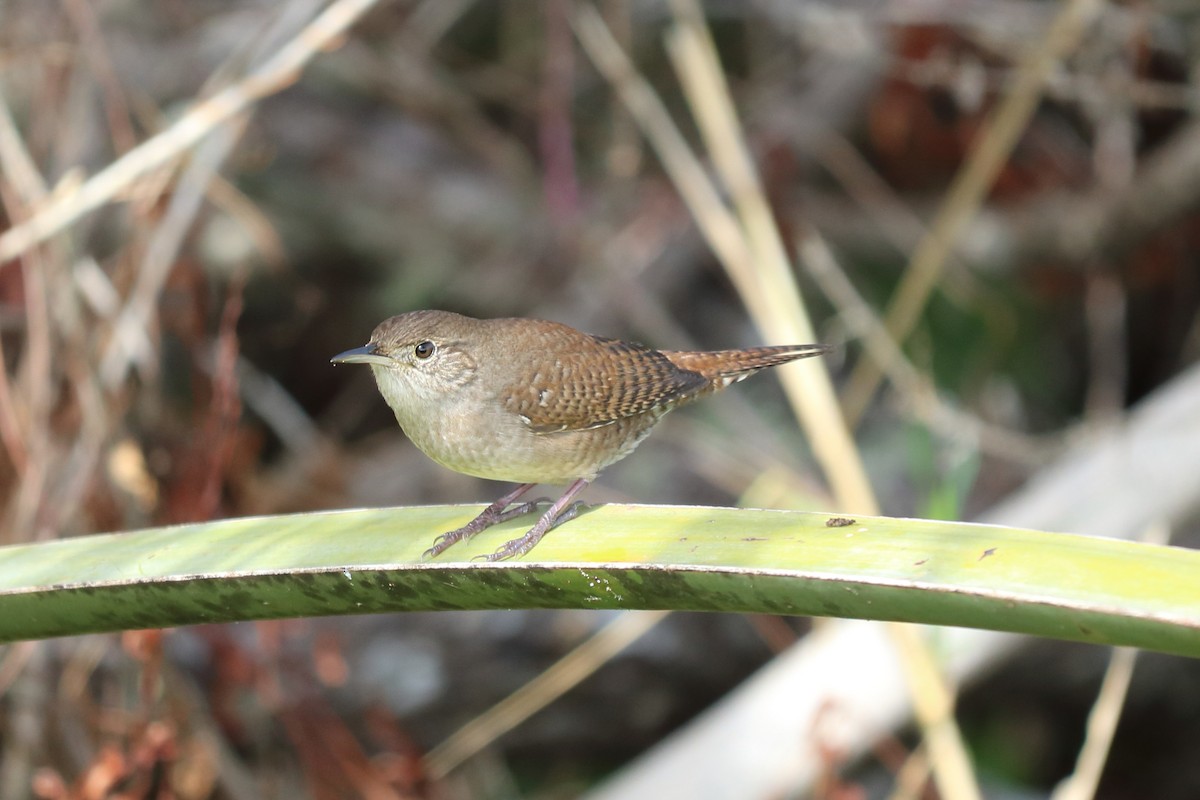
(597, 383)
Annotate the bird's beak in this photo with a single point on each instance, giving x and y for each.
(367, 354)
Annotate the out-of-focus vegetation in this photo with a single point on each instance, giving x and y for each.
(166, 354)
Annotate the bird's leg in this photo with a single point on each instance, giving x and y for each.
(528, 507)
(490, 516)
(554, 516)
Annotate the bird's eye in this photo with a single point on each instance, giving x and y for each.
(424, 350)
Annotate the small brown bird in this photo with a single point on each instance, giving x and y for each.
(532, 402)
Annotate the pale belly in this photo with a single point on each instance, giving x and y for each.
(509, 451)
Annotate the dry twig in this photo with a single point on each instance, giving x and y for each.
(970, 187)
(276, 73)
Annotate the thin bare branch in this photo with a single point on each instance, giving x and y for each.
(549, 685)
(275, 74)
(970, 187)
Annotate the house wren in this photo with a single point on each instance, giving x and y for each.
(532, 402)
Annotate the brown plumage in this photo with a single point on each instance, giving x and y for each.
(534, 402)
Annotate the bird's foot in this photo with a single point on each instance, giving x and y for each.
(445, 540)
(494, 514)
(521, 546)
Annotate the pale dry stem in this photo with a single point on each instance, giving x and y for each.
(969, 189)
(699, 68)
(276, 73)
(766, 282)
(1101, 727)
(918, 392)
(556, 680)
(1106, 711)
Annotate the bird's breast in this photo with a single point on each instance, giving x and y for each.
(498, 445)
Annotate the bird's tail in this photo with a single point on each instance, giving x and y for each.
(724, 367)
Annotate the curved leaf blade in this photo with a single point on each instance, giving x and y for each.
(1065, 586)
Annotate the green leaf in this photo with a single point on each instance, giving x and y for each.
(1082, 588)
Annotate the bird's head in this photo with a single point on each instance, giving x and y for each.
(419, 358)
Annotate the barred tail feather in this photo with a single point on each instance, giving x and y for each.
(728, 366)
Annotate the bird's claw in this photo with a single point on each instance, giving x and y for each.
(484, 521)
(442, 543)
